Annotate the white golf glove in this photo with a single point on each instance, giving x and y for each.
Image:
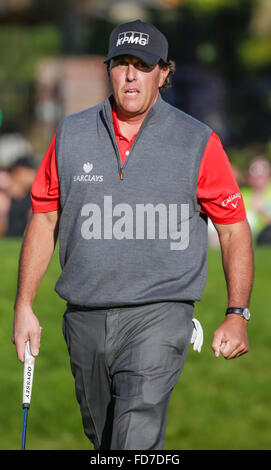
(197, 335)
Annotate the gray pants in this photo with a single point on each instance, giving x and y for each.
(125, 362)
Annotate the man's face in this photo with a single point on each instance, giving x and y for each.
(135, 84)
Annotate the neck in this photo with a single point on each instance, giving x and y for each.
(130, 123)
(130, 119)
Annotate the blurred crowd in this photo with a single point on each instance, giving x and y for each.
(15, 201)
(255, 185)
(257, 198)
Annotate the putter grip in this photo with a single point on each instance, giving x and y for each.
(29, 362)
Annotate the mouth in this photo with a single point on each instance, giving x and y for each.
(131, 92)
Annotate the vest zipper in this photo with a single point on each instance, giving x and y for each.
(112, 135)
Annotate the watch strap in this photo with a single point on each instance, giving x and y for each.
(243, 311)
(239, 310)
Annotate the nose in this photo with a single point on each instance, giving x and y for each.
(131, 73)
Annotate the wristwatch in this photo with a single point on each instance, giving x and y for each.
(244, 312)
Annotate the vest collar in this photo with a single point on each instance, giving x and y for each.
(152, 117)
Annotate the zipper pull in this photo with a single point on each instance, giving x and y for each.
(121, 175)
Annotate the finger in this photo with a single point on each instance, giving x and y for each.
(241, 353)
(224, 346)
(228, 349)
(216, 344)
(35, 342)
(238, 351)
(233, 349)
(20, 348)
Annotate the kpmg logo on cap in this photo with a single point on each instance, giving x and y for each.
(132, 37)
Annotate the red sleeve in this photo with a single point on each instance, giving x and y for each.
(45, 193)
(218, 191)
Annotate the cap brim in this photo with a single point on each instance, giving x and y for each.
(148, 58)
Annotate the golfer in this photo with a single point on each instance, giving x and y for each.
(128, 187)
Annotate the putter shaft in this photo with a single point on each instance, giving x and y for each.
(24, 429)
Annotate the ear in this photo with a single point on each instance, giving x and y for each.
(163, 75)
(109, 67)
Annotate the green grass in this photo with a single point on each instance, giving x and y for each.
(216, 404)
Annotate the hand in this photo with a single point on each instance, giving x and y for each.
(230, 338)
(26, 327)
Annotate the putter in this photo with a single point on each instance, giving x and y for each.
(29, 362)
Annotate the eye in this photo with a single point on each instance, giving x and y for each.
(122, 62)
(143, 66)
(119, 62)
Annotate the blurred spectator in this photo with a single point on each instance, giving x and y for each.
(4, 200)
(15, 201)
(257, 198)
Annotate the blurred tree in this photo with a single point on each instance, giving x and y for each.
(26, 46)
(229, 40)
(21, 46)
(222, 49)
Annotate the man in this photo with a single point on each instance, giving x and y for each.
(128, 185)
(22, 173)
(15, 200)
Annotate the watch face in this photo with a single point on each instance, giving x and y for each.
(246, 314)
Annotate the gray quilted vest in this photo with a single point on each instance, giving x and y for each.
(131, 234)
